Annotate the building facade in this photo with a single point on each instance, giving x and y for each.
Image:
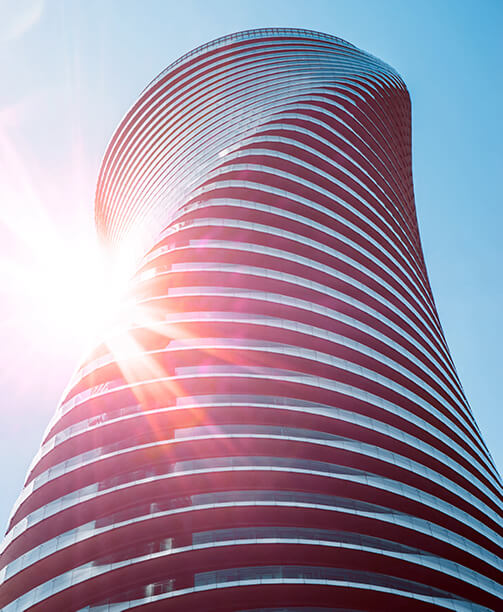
(277, 424)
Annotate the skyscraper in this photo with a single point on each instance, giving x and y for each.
(278, 424)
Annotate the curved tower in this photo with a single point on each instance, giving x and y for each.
(277, 424)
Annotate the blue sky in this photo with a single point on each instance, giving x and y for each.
(70, 70)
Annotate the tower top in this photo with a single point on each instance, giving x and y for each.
(210, 101)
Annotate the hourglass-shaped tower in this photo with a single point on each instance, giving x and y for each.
(278, 425)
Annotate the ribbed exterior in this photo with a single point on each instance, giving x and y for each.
(279, 425)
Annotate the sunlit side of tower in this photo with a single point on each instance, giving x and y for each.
(277, 423)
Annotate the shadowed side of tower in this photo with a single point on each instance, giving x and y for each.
(277, 424)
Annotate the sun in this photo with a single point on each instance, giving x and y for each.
(68, 289)
(59, 285)
(76, 289)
